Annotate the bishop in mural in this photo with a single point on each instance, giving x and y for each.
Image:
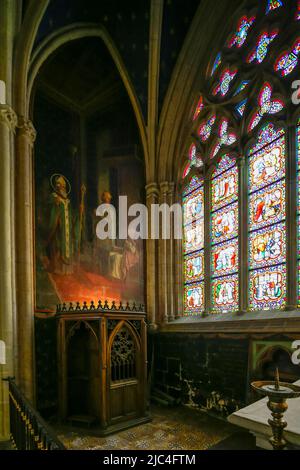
(65, 227)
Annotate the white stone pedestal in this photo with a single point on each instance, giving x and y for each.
(255, 417)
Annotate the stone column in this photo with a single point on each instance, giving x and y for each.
(151, 260)
(171, 257)
(291, 221)
(162, 262)
(243, 235)
(178, 272)
(207, 245)
(25, 254)
(8, 121)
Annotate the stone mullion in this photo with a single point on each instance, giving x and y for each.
(152, 193)
(207, 246)
(291, 219)
(243, 234)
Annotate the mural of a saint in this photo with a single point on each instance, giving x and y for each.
(65, 227)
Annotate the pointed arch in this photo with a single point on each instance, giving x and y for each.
(79, 31)
(118, 328)
(186, 78)
(77, 326)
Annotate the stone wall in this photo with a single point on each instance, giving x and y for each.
(204, 372)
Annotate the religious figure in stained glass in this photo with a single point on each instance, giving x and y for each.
(224, 223)
(193, 298)
(267, 206)
(226, 128)
(193, 206)
(224, 258)
(267, 237)
(225, 293)
(268, 287)
(194, 236)
(225, 189)
(267, 245)
(193, 229)
(194, 266)
(267, 165)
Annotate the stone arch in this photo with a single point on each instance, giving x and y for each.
(187, 78)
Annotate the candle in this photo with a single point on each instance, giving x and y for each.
(2, 92)
(277, 380)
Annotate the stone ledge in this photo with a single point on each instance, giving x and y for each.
(250, 322)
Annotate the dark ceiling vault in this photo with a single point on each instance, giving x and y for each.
(128, 23)
(82, 75)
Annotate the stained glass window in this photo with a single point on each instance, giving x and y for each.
(241, 98)
(241, 33)
(266, 105)
(225, 137)
(298, 205)
(224, 236)
(297, 15)
(216, 64)
(186, 170)
(266, 223)
(273, 5)
(240, 108)
(195, 161)
(241, 87)
(224, 83)
(261, 49)
(199, 107)
(205, 128)
(287, 61)
(193, 227)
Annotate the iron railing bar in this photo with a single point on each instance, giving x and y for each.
(28, 429)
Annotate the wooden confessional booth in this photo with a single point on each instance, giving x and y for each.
(102, 363)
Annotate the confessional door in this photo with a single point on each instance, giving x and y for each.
(124, 375)
(102, 368)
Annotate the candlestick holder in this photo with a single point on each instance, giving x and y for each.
(277, 393)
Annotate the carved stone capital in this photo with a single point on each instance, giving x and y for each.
(164, 187)
(171, 190)
(27, 129)
(8, 117)
(151, 190)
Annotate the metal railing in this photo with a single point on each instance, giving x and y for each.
(28, 430)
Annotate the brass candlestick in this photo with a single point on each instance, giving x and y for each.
(277, 393)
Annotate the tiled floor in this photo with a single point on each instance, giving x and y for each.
(170, 429)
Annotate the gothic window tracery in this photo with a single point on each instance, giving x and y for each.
(240, 169)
